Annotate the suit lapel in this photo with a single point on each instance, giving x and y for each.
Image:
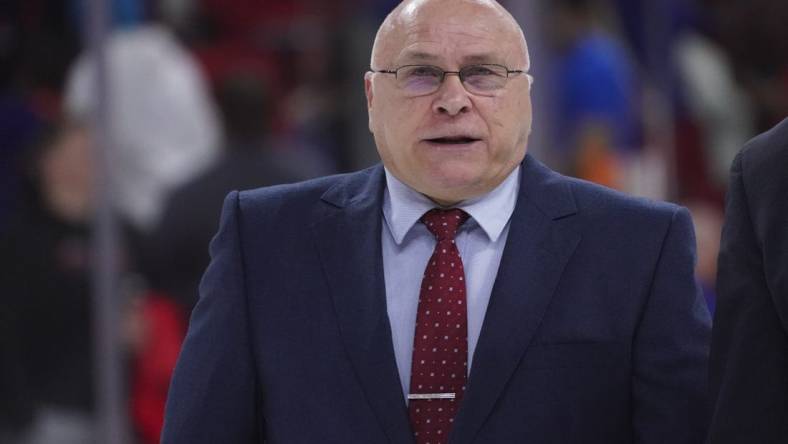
(540, 242)
(349, 245)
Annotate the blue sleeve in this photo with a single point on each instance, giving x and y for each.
(671, 347)
(213, 396)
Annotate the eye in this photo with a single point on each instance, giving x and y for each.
(478, 71)
(482, 71)
(424, 71)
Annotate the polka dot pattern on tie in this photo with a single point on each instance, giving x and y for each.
(440, 345)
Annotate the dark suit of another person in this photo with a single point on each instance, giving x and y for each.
(749, 360)
(177, 253)
(595, 330)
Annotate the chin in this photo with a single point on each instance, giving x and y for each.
(456, 172)
(455, 185)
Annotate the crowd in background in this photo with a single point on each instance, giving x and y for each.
(207, 96)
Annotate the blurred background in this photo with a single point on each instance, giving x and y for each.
(200, 97)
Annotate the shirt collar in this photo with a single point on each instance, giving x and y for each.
(403, 206)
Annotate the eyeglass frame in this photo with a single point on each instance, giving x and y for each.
(458, 73)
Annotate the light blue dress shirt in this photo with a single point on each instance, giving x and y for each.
(408, 245)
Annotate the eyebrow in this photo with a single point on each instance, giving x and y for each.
(419, 56)
(481, 59)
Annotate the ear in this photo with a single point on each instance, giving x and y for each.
(368, 87)
(368, 93)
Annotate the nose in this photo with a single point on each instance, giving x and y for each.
(452, 99)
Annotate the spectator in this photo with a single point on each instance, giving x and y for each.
(179, 245)
(596, 91)
(162, 119)
(44, 292)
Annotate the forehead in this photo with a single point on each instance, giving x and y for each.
(464, 34)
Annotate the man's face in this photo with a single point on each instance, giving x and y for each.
(450, 145)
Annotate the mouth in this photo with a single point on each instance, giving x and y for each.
(453, 140)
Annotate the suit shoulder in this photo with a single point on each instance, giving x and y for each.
(766, 153)
(304, 201)
(760, 178)
(761, 170)
(594, 205)
(304, 193)
(624, 219)
(601, 201)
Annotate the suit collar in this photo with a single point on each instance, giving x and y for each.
(542, 237)
(347, 235)
(359, 189)
(547, 190)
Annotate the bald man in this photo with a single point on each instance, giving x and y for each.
(461, 292)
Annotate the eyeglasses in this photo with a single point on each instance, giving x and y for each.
(422, 80)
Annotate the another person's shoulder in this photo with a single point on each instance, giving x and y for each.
(760, 172)
(766, 153)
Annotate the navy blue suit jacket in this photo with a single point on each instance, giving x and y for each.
(595, 330)
(749, 348)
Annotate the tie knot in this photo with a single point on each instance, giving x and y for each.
(443, 224)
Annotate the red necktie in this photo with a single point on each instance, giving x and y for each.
(440, 344)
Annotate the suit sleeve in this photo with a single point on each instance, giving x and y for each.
(749, 353)
(671, 346)
(213, 393)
